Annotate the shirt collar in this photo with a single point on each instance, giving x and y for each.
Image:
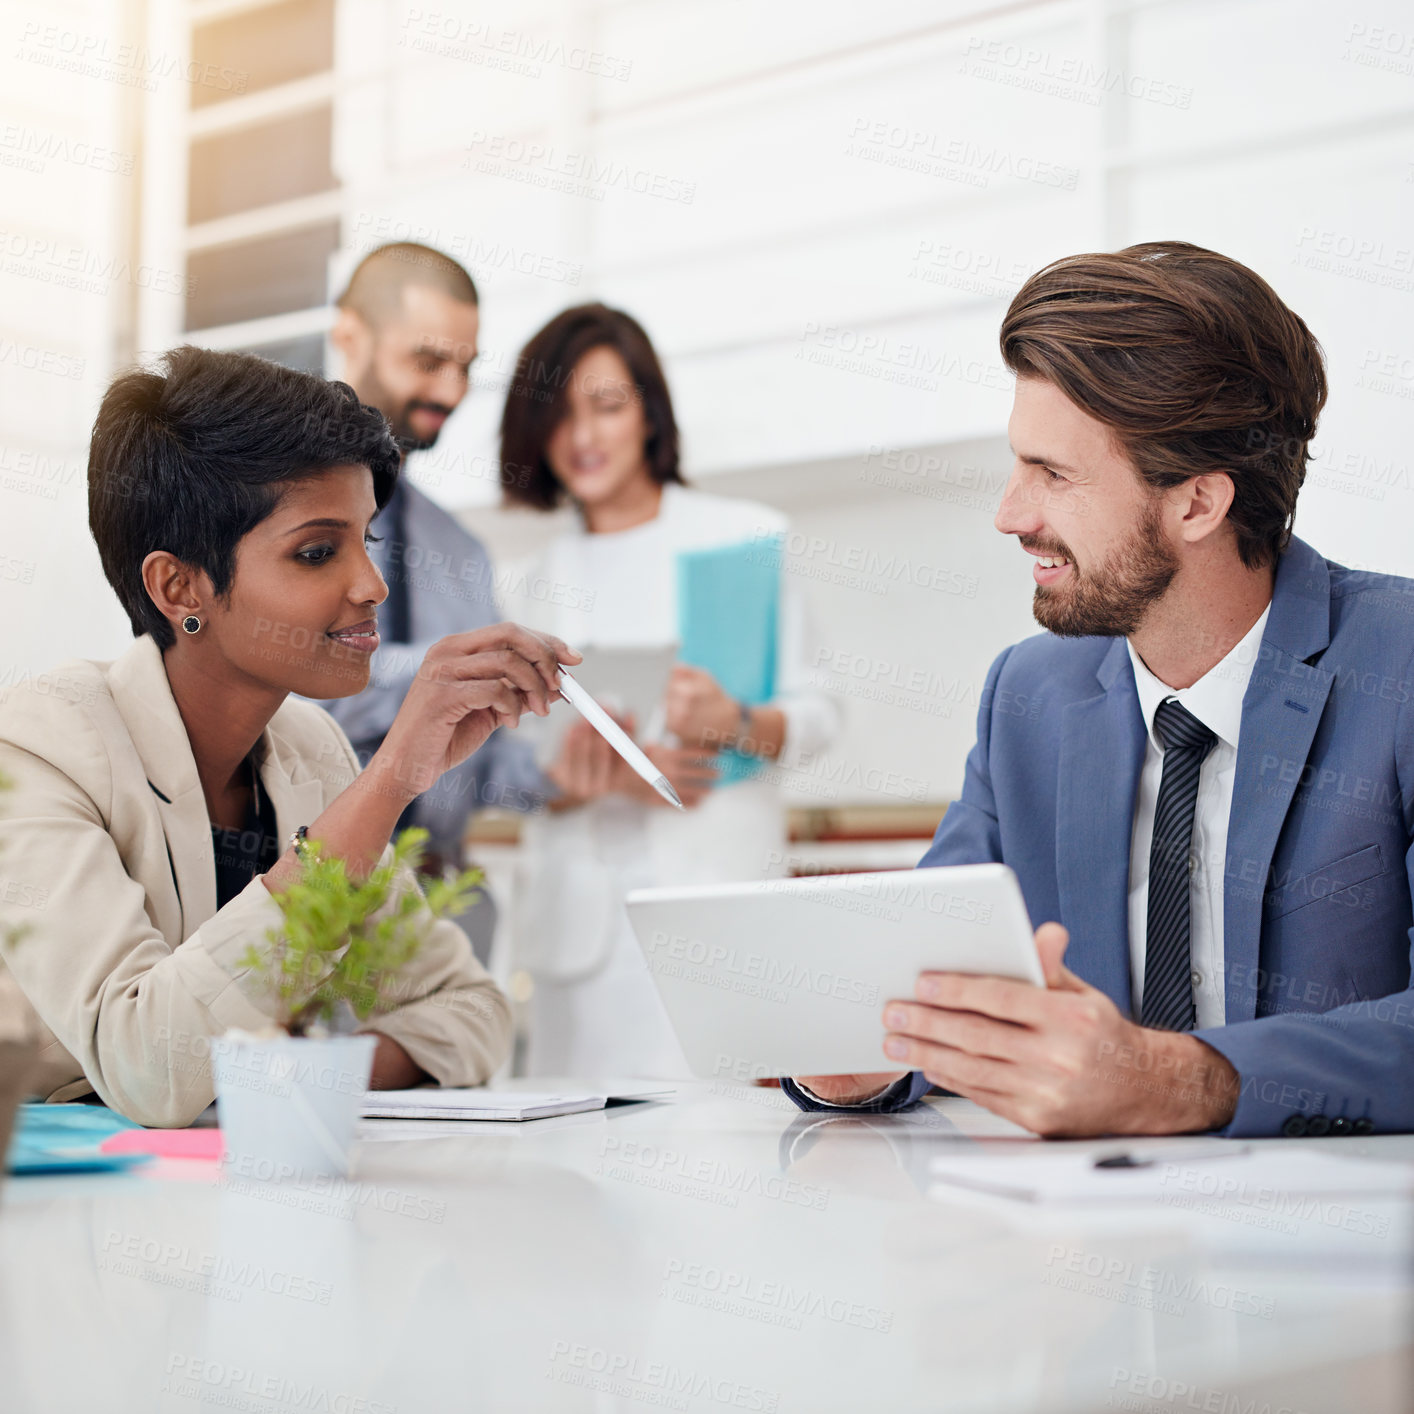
(1216, 698)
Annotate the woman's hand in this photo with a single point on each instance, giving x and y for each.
(584, 767)
(393, 1068)
(468, 685)
(587, 767)
(699, 711)
(691, 773)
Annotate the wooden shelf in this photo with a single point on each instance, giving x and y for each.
(843, 824)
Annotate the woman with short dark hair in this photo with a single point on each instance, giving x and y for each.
(589, 422)
(158, 798)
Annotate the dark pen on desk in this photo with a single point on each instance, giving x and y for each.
(1150, 1160)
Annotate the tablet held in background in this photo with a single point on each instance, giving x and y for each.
(624, 681)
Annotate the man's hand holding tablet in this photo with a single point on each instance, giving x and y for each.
(1061, 1060)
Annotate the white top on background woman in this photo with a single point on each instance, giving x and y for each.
(605, 437)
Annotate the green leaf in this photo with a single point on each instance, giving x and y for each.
(331, 949)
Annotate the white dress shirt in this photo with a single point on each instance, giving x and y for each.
(1216, 700)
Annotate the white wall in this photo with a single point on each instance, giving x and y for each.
(69, 284)
(868, 185)
(819, 211)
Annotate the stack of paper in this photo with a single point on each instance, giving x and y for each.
(1240, 1176)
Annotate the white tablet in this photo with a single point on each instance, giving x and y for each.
(790, 976)
(620, 680)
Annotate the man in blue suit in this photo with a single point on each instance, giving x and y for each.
(1212, 812)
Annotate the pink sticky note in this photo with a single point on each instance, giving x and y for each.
(165, 1143)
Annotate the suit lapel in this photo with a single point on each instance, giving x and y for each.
(298, 796)
(1281, 712)
(1102, 750)
(144, 699)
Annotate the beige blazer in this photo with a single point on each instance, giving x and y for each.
(106, 863)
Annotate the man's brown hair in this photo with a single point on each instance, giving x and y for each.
(1192, 361)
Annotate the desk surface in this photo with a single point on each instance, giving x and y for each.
(714, 1253)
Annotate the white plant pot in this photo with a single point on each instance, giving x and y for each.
(289, 1106)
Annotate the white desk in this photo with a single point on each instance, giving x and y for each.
(720, 1252)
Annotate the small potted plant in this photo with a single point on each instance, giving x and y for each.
(289, 1098)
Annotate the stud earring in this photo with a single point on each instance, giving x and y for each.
(191, 624)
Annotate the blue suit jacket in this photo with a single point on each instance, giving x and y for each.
(1317, 911)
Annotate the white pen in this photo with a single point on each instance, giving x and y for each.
(615, 735)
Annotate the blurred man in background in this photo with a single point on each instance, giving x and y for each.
(406, 333)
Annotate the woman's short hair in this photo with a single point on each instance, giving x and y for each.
(190, 456)
(1194, 364)
(536, 400)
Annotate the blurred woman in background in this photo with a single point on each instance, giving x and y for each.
(589, 420)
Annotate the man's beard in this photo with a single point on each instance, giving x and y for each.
(1111, 601)
(403, 434)
(398, 416)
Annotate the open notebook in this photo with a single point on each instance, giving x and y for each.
(429, 1102)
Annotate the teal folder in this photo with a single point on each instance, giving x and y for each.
(728, 614)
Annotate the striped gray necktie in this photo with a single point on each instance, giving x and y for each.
(1168, 983)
